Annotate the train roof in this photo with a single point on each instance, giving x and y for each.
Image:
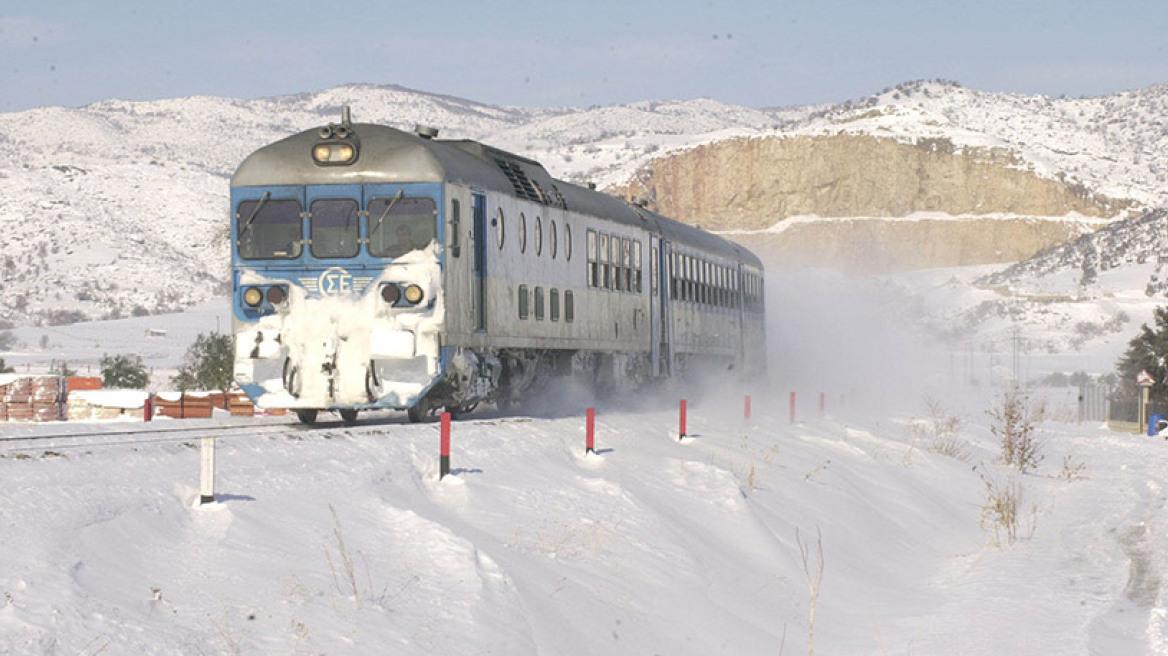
(386, 155)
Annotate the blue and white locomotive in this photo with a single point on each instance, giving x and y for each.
(377, 268)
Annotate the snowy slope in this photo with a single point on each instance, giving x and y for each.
(343, 541)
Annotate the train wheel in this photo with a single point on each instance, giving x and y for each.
(306, 417)
(348, 417)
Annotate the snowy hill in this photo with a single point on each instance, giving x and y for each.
(118, 208)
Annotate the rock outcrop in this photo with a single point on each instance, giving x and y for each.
(752, 184)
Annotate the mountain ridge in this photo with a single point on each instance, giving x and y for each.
(82, 204)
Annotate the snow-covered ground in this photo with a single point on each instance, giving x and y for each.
(343, 540)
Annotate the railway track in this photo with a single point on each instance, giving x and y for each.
(159, 433)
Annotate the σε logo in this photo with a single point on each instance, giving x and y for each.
(335, 282)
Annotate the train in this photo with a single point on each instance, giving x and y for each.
(378, 268)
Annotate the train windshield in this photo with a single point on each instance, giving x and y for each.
(269, 229)
(335, 228)
(399, 225)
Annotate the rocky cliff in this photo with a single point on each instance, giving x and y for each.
(753, 184)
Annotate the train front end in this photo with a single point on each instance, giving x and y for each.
(337, 270)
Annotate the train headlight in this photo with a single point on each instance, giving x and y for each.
(253, 296)
(414, 294)
(277, 295)
(390, 293)
(334, 153)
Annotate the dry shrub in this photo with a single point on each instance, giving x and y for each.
(1015, 423)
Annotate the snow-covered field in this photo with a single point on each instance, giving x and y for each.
(343, 540)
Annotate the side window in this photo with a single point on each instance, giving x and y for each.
(539, 303)
(672, 264)
(334, 227)
(567, 242)
(522, 233)
(569, 307)
(627, 263)
(538, 236)
(522, 301)
(552, 239)
(638, 278)
(593, 260)
(605, 279)
(455, 227)
(499, 228)
(617, 274)
(653, 255)
(554, 299)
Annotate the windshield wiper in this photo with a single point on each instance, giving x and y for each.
(254, 214)
(392, 202)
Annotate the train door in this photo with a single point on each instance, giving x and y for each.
(655, 303)
(479, 285)
(660, 308)
(740, 315)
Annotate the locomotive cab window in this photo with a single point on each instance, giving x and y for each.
(334, 228)
(269, 229)
(399, 225)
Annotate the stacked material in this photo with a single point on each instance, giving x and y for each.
(104, 405)
(183, 405)
(239, 405)
(32, 398)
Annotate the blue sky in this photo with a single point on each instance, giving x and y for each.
(516, 52)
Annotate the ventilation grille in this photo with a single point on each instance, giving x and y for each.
(527, 188)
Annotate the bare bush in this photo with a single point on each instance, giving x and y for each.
(939, 432)
(1004, 511)
(1074, 469)
(1015, 423)
(813, 570)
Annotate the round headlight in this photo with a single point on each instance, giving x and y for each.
(414, 294)
(277, 295)
(253, 296)
(390, 293)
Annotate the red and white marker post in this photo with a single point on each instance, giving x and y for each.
(746, 409)
(444, 447)
(792, 407)
(590, 431)
(681, 421)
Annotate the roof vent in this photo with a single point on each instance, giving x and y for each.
(425, 131)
